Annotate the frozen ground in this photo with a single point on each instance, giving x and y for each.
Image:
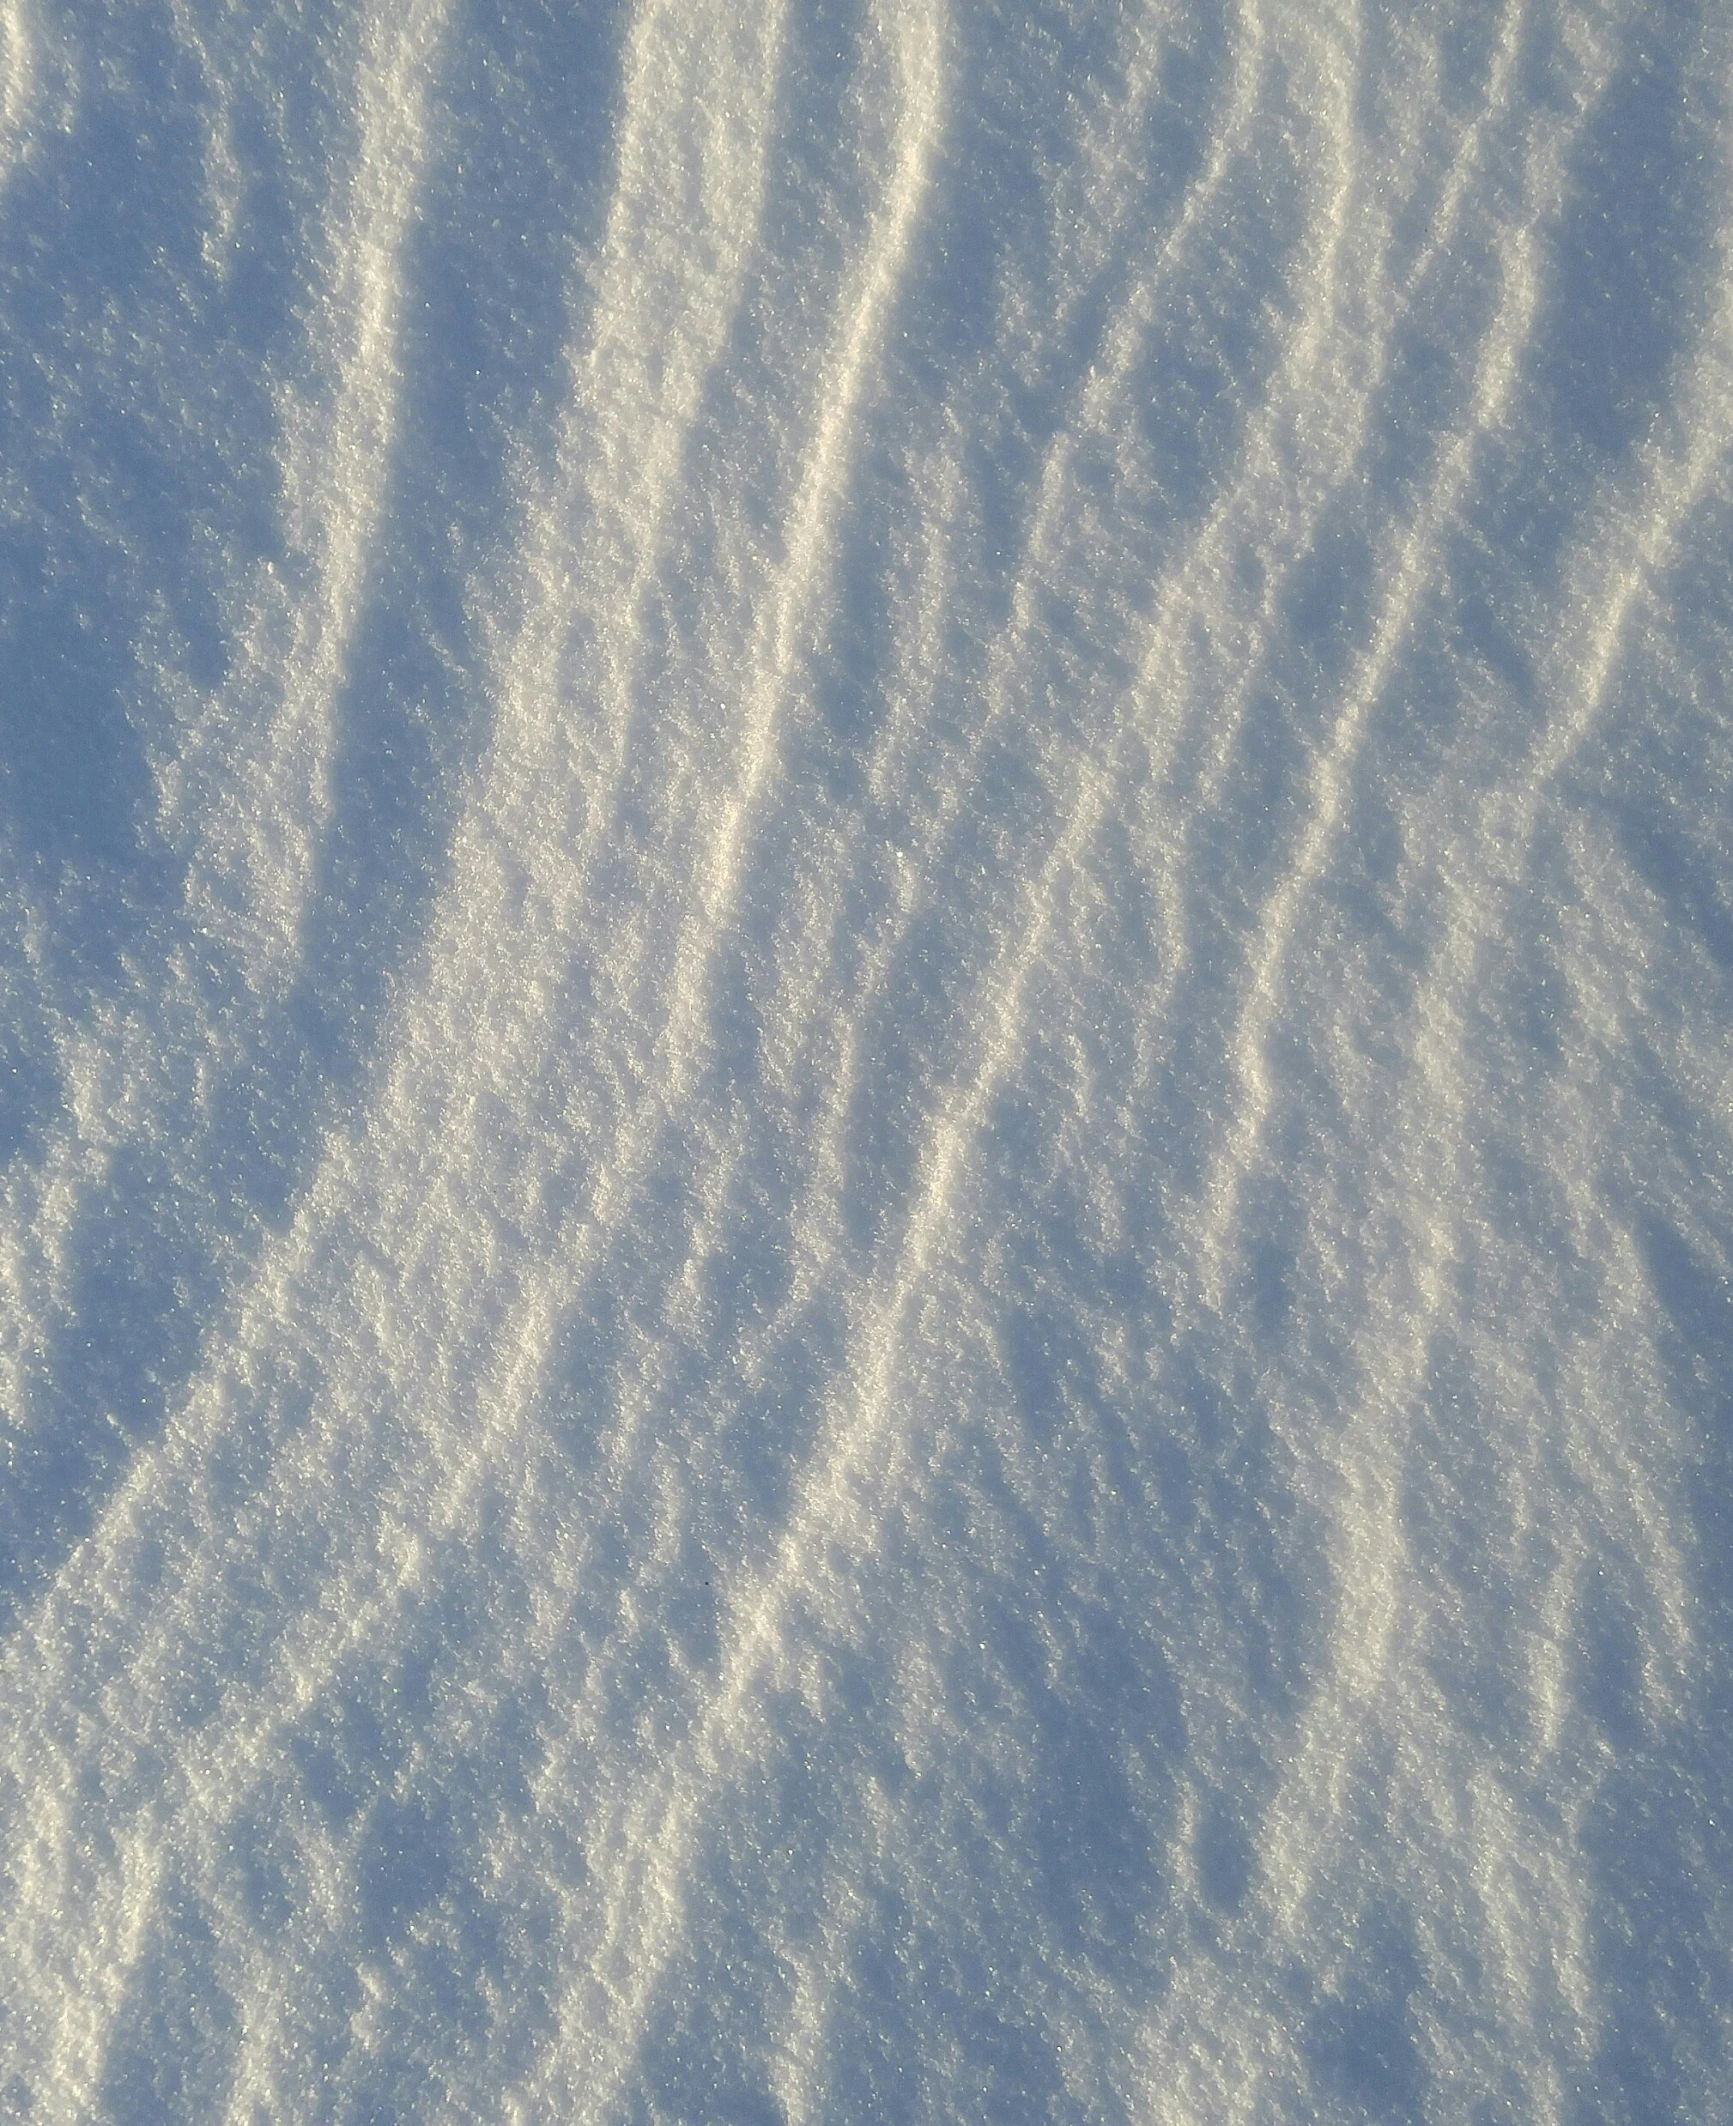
(868, 939)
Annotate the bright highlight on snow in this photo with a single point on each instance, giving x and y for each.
(865, 1069)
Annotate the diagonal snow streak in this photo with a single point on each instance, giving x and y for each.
(252, 810)
(999, 1395)
(244, 791)
(18, 84)
(648, 266)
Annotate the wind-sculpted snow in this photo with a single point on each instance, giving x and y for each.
(868, 1228)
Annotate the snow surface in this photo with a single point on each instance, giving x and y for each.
(868, 939)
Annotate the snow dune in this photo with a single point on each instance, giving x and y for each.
(867, 1241)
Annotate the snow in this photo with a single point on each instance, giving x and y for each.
(867, 1235)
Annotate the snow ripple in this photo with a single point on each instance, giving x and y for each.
(866, 1248)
